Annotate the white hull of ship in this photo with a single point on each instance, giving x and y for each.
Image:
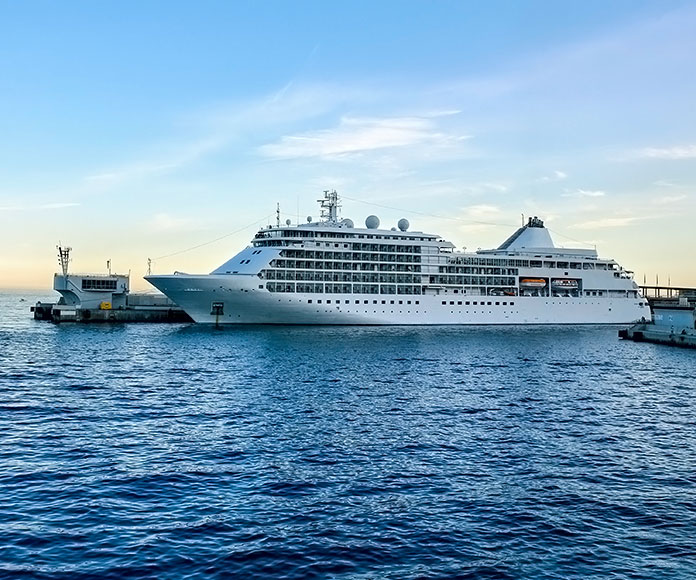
(245, 300)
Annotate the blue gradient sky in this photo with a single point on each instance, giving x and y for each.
(139, 129)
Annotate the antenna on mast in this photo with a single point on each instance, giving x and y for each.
(329, 206)
(63, 258)
(149, 266)
(278, 214)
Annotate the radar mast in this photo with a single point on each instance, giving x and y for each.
(63, 258)
(329, 206)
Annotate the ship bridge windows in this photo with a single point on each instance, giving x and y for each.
(98, 284)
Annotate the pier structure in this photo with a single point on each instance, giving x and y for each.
(656, 293)
(673, 320)
(103, 298)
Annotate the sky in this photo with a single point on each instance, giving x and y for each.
(170, 130)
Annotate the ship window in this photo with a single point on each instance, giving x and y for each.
(88, 284)
(504, 303)
(318, 301)
(217, 308)
(466, 303)
(417, 301)
(497, 303)
(452, 303)
(443, 302)
(475, 303)
(365, 301)
(374, 302)
(328, 301)
(309, 301)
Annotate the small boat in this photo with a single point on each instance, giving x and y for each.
(533, 282)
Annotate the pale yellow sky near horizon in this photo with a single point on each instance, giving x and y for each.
(629, 244)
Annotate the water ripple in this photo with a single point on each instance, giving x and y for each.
(175, 451)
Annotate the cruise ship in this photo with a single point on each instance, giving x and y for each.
(331, 272)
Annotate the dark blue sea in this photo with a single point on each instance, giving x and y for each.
(178, 451)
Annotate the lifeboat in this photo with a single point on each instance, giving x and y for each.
(564, 283)
(533, 282)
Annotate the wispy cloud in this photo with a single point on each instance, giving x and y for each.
(218, 126)
(480, 211)
(456, 187)
(442, 113)
(176, 156)
(676, 152)
(669, 199)
(556, 176)
(39, 207)
(359, 135)
(487, 186)
(165, 222)
(585, 193)
(602, 223)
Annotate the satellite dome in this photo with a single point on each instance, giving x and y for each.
(309, 219)
(348, 223)
(403, 224)
(393, 229)
(372, 222)
(287, 222)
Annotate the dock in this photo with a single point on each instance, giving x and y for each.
(673, 320)
(138, 308)
(649, 332)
